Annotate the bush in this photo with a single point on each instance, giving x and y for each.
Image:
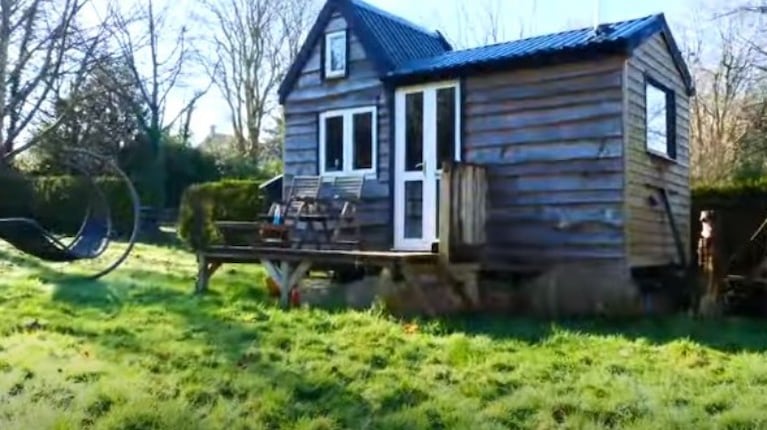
(59, 203)
(16, 191)
(232, 200)
(185, 166)
(752, 193)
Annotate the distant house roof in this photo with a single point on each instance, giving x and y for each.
(618, 37)
(389, 40)
(214, 141)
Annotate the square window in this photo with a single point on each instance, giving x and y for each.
(335, 54)
(348, 141)
(659, 120)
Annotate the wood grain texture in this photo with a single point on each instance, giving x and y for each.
(649, 237)
(462, 212)
(552, 142)
(310, 97)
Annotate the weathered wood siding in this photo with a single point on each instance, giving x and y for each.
(650, 241)
(310, 97)
(552, 140)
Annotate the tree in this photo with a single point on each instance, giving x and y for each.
(103, 122)
(486, 22)
(43, 46)
(255, 42)
(724, 62)
(156, 67)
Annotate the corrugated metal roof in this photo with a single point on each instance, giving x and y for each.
(403, 51)
(550, 44)
(400, 40)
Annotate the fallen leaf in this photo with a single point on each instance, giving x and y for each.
(411, 328)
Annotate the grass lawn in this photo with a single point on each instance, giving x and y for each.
(138, 351)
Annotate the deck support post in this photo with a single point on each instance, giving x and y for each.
(205, 269)
(465, 279)
(412, 277)
(287, 275)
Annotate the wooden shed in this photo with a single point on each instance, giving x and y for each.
(584, 134)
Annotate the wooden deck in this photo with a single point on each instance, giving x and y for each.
(288, 266)
(249, 254)
(455, 260)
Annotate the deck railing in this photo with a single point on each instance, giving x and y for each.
(462, 212)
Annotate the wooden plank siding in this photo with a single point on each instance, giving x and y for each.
(552, 141)
(649, 238)
(310, 97)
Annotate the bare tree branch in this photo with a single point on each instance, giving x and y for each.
(255, 42)
(39, 41)
(157, 66)
(723, 53)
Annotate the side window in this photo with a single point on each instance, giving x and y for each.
(335, 54)
(348, 141)
(660, 119)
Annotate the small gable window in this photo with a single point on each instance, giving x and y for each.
(348, 141)
(660, 119)
(335, 54)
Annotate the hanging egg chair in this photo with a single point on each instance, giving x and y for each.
(96, 232)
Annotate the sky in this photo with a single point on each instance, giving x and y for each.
(532, 17)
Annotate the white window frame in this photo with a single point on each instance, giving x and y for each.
(329, 72)
(348, 143)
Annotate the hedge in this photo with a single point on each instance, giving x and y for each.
(751, 194)
(59, 203)
(232, 200)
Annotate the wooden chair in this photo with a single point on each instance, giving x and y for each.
(300, 206)
(346, 196)
(277, 226)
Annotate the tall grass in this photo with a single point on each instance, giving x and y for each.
(139, 351)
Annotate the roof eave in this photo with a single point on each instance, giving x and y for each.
(305, 52)
(373, 48)
(605, 49)
(376, 53)
(443, 40)
(661, 25)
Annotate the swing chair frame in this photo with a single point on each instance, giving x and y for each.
(95, 233)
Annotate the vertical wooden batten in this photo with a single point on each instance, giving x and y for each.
(462, 212)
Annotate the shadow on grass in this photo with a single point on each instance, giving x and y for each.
(219, 345)
(725, 334)
(17, 259)
(142, 287)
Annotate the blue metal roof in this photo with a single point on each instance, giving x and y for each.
(402, 51)
(400, 40)
(545, 44)
(617, 37)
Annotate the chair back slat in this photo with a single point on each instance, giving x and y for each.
(348, 187)
(306, 186)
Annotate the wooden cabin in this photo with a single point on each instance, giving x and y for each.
(582, 134)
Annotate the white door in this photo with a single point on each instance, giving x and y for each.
(427, 133)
